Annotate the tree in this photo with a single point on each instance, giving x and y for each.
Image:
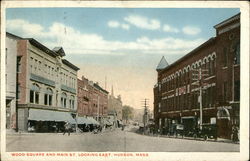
(127, 113)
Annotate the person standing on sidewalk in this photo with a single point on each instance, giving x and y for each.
(67, 128)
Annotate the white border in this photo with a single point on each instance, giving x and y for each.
(244, 110)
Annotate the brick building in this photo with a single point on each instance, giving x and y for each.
(92, 100)
(211, 70)
(46, 86)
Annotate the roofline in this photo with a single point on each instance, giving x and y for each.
(66, 62)
(96, 85)
(208, 42)
(40, 46)
(235, 17)
(14, 36)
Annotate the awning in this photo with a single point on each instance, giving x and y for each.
(107, 122)
(120, 122)
(83, 120)
(48, 115)
(92, 121)
(188, 117)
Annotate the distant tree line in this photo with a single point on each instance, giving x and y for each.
(127, 113)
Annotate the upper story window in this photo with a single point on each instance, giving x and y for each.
(225, 94)
(18, 66)
(237, 54)
(18, 92)
(48, 97)
(34, 94)
(225, 57)
(237, 90)
(72, 102)
(6, 55)
(159, 107)
(64, 100)
(211, 67)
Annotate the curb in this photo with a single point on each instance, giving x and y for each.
(219, 140)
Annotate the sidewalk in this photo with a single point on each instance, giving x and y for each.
(11, 132)
(222, 140)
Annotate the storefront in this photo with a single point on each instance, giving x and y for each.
(48, 121)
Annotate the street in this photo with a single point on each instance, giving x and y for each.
(117, 141)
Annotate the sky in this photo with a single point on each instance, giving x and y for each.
(120, 45)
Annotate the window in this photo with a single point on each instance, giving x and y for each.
(18, 92)
(6, 55)
(237, 54)
(225, 91)
(159, 107)
(48, 97)
(39, 66)
(18, 66)
(237, 90)
(72, 102)
(212, 95)
(64, 100)
(212, 67)
(225, 57)
(34, 94)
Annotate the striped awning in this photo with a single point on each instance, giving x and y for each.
(49, 115)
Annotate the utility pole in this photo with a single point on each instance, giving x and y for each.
(145, 116)
(199, 77)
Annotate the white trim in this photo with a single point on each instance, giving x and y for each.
(228, 28)
(227, 21)
(213, 76)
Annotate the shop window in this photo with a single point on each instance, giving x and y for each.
(34, 94)
(237, 54)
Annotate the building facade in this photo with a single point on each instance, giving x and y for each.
(92, 100)
(12, 68)
(83, 101)
(115, 105)
(203, 87)
(47, 86)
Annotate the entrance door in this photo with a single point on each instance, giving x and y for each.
(224, 130)
(8, 114)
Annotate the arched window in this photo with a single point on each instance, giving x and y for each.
(64, 100)
(72, 102)
(34, 94)
(48, 97)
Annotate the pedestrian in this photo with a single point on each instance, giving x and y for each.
(235, 134)
(67, 128)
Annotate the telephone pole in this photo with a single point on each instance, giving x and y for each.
(145, 115)
(198, 76)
